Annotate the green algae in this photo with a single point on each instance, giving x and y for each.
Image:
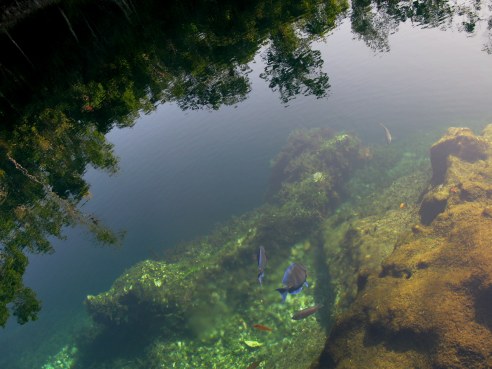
(226, 344)
(64, 359)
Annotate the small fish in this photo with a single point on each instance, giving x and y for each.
(387, 133)
(262, 327)
(262, 261)
(294, 280)
(304, 313)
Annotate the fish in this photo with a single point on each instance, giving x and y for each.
(387, 133)
(262, 262)
(304, 313)
(262, 327)
(294, 280)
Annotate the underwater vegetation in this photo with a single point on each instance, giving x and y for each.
(385, 289)
(204, 300)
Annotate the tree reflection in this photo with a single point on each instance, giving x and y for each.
(78, 69)
(212, 89)
(293, 68)
(373, 27)
(373, 21)
(42, 164)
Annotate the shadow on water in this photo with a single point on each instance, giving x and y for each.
(323, 293)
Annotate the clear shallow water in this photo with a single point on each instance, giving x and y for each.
(182, 172)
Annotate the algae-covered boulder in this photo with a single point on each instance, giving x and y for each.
(459, 169)
(458, 142)
(429, 306)
(151, 292)
(306, 177)
(313, 167)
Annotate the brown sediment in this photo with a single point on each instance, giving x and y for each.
(430, 306)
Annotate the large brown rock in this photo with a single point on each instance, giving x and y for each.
(459, 171)
(431, 304)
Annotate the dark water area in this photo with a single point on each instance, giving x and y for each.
(135, 128)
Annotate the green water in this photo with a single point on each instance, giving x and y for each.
(142, 126)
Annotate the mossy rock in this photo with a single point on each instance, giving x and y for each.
(149, 293)
(429, 307)
(312, 168)
(459, 142)
(460, 163)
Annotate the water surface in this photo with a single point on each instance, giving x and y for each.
(182, 171)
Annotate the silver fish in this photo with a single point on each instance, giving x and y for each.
(387, 133)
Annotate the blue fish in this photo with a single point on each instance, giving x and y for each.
(294, 280)
(262, 261)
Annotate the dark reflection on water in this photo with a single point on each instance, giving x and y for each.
(194, 53)
(60, 94)
(374, 21)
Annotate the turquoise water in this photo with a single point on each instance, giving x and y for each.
(183, 172)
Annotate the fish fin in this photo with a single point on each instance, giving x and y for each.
(283, 293)
(295, 292)
(306, 284)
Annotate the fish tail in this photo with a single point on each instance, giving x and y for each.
(260, 278)
(283, 293)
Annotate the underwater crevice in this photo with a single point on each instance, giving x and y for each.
(483, 304)
(323, 291)
(400, 341)
(395, 271)
(431, 208)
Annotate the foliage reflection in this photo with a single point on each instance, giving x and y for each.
(78, 69)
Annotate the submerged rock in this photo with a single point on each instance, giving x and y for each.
(429, 306)
(459, 171)
(150, 293)
(460, 143)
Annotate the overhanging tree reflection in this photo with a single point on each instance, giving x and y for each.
(374, 21)
(62, 91)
